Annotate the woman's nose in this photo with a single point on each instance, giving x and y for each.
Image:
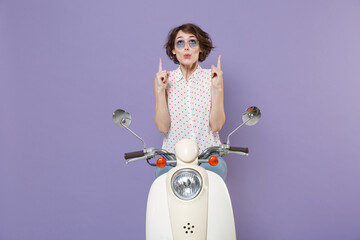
(187, 46)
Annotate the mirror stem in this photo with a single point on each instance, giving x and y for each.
(228, 138)
(134, 134)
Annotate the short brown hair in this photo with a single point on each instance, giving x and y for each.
(204, 39)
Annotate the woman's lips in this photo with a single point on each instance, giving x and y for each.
(187, 56)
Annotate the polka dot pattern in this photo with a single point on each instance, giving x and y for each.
(189, 107)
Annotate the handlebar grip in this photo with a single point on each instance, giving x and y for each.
(239, 149)
(134, 154)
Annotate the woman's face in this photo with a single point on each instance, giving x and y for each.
(187, 48)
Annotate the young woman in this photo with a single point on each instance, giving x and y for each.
(189, 100)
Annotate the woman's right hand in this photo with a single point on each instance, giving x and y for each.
(162, 116)
(161, 78)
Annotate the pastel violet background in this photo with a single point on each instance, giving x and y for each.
(66, 65)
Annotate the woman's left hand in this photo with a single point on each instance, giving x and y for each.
(217, 114)
(217, 76)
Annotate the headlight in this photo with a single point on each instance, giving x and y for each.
(186, 184)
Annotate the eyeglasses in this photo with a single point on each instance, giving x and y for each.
(193, 43)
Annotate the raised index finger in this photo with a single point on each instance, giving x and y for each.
(219, 64)
(160, 65)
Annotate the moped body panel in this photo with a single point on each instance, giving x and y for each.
(188, 218)
(158, 225)
(208, 216)
(221, 224)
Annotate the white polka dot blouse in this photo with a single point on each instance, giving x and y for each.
(189, 106)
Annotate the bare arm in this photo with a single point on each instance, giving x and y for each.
(162, 116)
(217, 113)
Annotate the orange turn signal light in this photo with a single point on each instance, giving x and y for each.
(213, 160)
(161, 162)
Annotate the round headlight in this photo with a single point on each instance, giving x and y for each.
(186, 184)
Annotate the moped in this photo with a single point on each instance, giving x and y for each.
(188, 202)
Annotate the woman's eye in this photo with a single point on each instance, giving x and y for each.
(180, 43)
(193, 43)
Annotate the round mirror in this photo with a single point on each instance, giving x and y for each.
(251, 116)
(121, 118)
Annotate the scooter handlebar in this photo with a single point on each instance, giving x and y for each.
(141, 153)
(134, 154)
(239, 149)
